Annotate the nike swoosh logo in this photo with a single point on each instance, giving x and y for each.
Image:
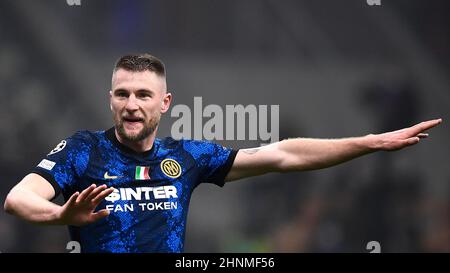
(107, 176)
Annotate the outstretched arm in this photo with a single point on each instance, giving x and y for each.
(309, 154)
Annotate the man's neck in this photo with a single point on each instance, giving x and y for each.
(138, 146)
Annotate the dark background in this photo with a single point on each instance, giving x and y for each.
(335, 68)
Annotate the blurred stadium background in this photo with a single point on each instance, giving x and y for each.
(336, 68)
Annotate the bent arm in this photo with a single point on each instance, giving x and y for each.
(309, 154)
(29, 200)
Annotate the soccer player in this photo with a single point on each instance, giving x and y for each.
(127, 191)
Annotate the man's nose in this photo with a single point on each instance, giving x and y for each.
(132, 103)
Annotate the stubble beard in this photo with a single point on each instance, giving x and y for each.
(148, 128)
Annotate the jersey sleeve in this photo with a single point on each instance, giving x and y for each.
(213, 160)
(65, 164)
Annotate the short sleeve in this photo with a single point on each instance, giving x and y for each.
(65, 163)
(213, 160)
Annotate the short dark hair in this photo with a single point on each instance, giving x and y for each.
(140, 63)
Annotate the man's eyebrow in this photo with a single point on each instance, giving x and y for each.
(145, 91)
(138, 91)
(120, 90)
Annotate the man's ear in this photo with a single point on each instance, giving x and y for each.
(110, 98)
(165, 103)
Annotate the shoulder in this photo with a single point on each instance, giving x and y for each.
(204, 148)
(191, 146)
(82, 138)
(199, 145)
(169, 143)
(86, 136)
(76, 146)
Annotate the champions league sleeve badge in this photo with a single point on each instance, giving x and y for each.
(58, 147)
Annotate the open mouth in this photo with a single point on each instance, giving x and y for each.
(133, 119)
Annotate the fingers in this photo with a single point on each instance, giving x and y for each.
(72, 199)
(423, 126)
(422, 135)
(95, 192)
(92, 195)
(85, 193)
(96, 200)
(412, 141)
(100, 214)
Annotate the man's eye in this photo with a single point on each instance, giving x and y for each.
(122, 94)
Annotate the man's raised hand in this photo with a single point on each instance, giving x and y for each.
(79, 209)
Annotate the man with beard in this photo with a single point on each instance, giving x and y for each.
(128, 191)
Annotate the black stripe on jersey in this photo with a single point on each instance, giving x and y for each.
(49, 179)
(218, 177)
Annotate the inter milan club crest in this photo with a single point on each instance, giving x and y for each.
(171, 168)
(142, 173)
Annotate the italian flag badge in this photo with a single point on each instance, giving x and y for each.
(142, 173)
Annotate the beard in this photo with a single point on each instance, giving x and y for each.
(147, 129)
